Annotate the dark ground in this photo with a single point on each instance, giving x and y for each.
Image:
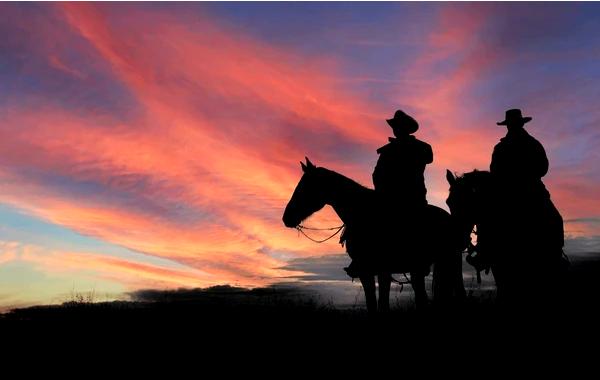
(227, 316)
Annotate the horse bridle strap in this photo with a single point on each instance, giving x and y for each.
(301, 228)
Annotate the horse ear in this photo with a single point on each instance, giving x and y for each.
(303, 166)
(310, 164)
(450, 177)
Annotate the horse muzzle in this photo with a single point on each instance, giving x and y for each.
(288, 222)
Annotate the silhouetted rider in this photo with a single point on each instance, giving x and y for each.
(398, 176)
(399, 186)
(519, 161)
(525, 213)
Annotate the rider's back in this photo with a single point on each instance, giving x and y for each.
(518, 164)
(399, 174)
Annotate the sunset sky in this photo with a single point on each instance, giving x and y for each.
(156, 145)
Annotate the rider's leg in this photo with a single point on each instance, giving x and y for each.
(368, 284)
(384, 281)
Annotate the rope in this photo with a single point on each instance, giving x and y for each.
(301, 229)
(338, 229)
(320, 229)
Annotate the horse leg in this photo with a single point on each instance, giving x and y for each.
(418, 284)
(459, 285)
(438, 281)
(368, 284)
(448, 282)
(384, 281)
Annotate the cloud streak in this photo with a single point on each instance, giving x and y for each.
(202, 175)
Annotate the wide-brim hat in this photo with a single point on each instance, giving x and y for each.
(514, 115)
(404, 121)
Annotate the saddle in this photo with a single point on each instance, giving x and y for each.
(388, 241)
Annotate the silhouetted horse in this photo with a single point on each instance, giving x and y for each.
(520, 241)
(382, 244)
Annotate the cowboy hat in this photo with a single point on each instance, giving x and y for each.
(402, 120)
(514, 115)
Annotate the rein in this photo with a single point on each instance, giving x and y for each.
(338, 229)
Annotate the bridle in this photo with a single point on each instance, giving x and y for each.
(301, 229)
(338, 229)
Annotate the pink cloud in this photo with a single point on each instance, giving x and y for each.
(185, 149)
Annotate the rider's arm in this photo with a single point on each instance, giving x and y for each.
(428, 154)
(541, 161)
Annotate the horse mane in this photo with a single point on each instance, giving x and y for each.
(345, 182)
(474, 178)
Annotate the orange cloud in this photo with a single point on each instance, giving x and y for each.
(182, 181)
(133, 275)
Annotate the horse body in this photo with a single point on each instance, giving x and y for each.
(520, 240)
(379, 242)
(388, 239)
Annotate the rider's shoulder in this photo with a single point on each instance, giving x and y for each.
(408, 142)
(422, 144)
(386, 148)
(520, 136)
(531, 138)
(389, 146)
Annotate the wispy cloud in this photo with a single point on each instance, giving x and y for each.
(202, 175)
(132, 274)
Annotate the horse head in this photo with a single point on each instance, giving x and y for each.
(307, 197)
(466, 198)
(467, 193)
(459, 200)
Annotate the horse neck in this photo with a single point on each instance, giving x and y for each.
(479, 182)
(465, 228)
(344, 196)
